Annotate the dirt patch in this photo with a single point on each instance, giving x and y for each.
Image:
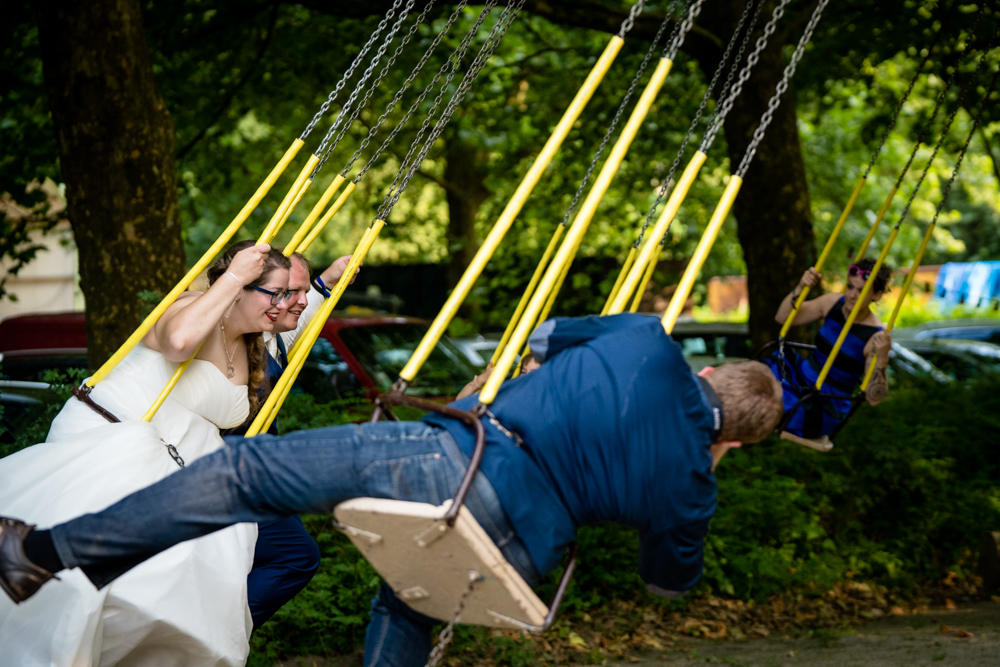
(968, 635)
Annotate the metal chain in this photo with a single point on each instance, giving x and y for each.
(937, 106)
(614, 121)
(452, 66)
(677, 39)
(449, 63)
(726, 106)
(782, 86)
(344, 127)
(492, 42)
(961, 155)
(906, 95)
(374, 129)
(629, 21)
(662, 191)
(445, 637)
(350, 70)
(326, 146)
(947, 125)
(678, 5)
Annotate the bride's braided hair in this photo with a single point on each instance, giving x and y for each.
(256, 350)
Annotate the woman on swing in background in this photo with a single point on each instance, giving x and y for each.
(187, 606)
(866, 343)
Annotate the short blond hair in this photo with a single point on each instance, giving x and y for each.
(751, 396)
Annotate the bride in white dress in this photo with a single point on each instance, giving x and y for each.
(187, 606)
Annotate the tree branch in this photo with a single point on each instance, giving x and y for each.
(231, 93)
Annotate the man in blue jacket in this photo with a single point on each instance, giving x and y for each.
(612, 427)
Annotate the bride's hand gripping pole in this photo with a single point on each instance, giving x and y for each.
(826, 253)
(510, 212)
(574, 236)
(300, 351)
(199, 266)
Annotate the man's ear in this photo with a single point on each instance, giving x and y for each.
(706, 371)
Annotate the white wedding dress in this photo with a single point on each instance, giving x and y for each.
(186, 607)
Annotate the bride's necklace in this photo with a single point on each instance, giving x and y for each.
(232, 371)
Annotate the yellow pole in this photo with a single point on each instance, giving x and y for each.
(618, 281)
(574, 236)
(652, 244)
(875, 225)
(299, 186)
(684, 288)
(307, 224)
(907, 283)
(865, 291)
(300, 351)
(198, 267)
(171, 383)
(639, 293)
(503, 223)
(337, 205)
(528, 291)
(823, 255)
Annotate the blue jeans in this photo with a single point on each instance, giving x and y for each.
(266, 478)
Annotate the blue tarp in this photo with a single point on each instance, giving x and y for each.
(974, 284)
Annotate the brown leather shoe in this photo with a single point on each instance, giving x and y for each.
(19, 577)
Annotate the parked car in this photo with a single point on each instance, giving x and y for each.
(477, 349)
(356, 356)
(987, 330)
(959, 359)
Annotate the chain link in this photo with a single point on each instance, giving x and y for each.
(947, 126)
(906, 95)
(415, 146)
(346, 110)
(350, 70)
(937, 106)
(445, 637)
(662, 191)
(486, 52)
(345, 126)
(677, 39)
(965, 147)
(449, 64)
(782, 86)
(374, 129)
(629, 21)
(614, 121)
(723, 109)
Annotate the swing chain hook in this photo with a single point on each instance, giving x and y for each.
(444, 639)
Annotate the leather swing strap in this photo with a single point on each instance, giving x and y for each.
(83, 394)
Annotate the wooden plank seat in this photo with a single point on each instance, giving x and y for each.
(428, 565)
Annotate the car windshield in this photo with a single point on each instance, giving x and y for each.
(383, 349)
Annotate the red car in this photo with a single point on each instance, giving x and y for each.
(357, 354)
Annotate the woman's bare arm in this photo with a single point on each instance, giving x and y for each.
(810, 311)
(180, 330)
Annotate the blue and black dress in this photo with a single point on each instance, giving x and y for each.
(818, 417)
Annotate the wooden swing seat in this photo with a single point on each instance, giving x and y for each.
(823, 444)
(428, 565)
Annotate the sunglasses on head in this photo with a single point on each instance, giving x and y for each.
(856, 270)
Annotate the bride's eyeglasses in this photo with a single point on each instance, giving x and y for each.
(276, 297)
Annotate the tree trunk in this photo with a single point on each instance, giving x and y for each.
(116, 150)
(773, 209)
(466, 192)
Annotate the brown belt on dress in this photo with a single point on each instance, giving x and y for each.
(83, 394)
